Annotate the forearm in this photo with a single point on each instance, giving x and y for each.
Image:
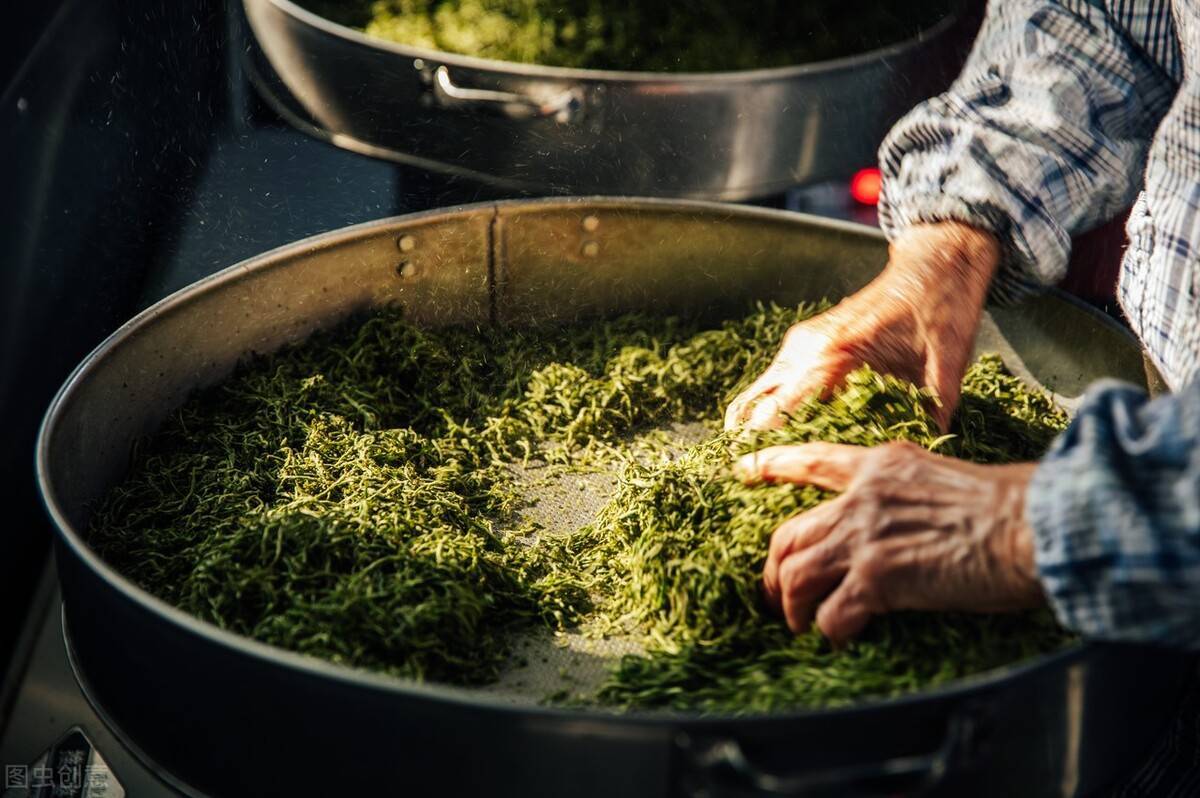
(937, 278)
(946, 259)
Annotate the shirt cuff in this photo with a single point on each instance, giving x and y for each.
(939, 167)
(1101, 558)
(1061, 544)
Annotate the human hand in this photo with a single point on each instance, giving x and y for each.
(916, 321)
(911, 530)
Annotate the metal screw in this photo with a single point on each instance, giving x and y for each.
(591, 249)
(590, 223)
(407, 243)
(406, 269)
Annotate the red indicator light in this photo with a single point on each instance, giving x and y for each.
(865, 185)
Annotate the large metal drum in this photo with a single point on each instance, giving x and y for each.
(726, 135)
(224, 715)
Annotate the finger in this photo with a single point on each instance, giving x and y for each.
(846, 612)
(744, 402)
(736, 412)
(831, 466)
(767, 413)
(943, 404)
(805, 578)
(890, 574)
(791, 393)
(794, 535)
(772, 411)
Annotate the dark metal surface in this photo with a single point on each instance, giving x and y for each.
(731, 135)
(230, 716)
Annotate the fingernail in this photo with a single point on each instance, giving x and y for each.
(735, 416)
(767, 415)
(748, 467)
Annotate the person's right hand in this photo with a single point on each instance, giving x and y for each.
(916, 321)
(910, 530)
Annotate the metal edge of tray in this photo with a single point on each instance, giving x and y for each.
(283, 105)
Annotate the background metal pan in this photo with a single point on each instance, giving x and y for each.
(725, 135)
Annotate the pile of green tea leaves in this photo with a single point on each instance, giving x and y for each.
(675, 547)
(356, 498)
(697, 36)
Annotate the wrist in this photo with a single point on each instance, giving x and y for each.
(1018, 546)
(945, 258)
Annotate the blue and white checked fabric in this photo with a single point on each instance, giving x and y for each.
(1116, 511)
(1064, 112)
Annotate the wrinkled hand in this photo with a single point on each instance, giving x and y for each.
(917, 321)
(911, 530)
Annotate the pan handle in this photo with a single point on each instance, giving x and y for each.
(721, 767)
(563, 107)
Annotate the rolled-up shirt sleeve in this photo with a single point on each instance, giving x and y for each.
(1044, 134)
(1115, 512)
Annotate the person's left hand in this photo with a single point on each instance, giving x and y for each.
(911, 530)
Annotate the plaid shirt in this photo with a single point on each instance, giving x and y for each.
(1063, 114)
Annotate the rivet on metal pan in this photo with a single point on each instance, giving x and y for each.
(590, 223)
(406, 269)
(407, 243)
(591, 248)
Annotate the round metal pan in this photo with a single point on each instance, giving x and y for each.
(729, 135)
(226, 715)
